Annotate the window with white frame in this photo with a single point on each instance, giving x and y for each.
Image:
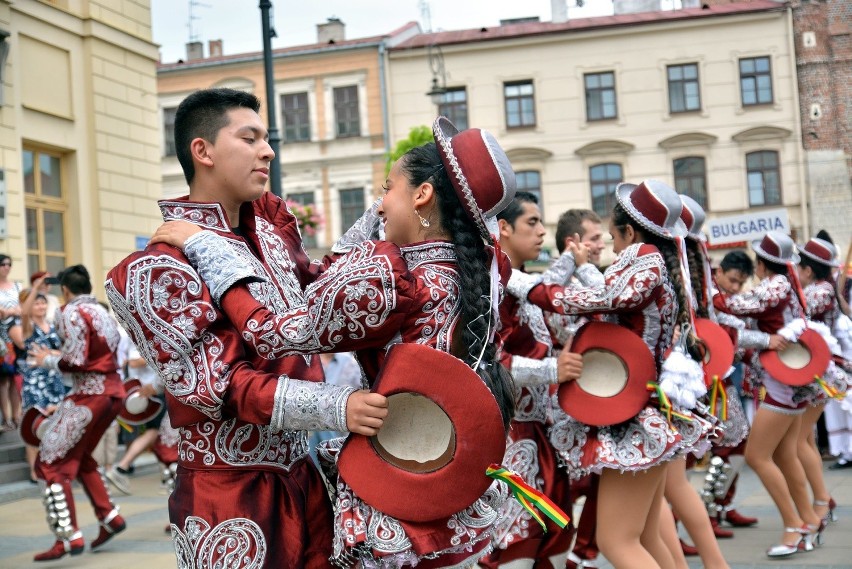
(603, 179)
(296, 118)
(764, 178)
(346, 117)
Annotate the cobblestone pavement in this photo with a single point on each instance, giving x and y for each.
(145, 545)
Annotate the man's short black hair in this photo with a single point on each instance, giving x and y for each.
(76, 279)
(571, 222)
(202, 115)
(515, 208)
(739, 261)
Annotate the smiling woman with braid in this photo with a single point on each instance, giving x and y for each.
(436, 213)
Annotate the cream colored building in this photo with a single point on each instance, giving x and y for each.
(582, 104)
(330, 107)
(79, 135)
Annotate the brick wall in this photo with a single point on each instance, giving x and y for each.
(823, 44)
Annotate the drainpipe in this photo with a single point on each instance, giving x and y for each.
(800, 147)
(384, 96)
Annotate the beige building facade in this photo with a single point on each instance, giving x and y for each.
(705, 100)
(79, 135)
(330, 107)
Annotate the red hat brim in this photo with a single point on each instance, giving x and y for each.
(614, 342)
(820, 356)
(30, 422)
(403, 490)
(720, 350)
(155, 405)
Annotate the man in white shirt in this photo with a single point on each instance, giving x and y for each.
(151, 385)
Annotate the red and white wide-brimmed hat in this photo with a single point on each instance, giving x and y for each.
(138, 410)
(776, 247)
(654, 205)
(479, 170)
(443, 430)
(801, 363)
(617, 366)
(33, 425)
(718, 349)
(693, 217)
(820, 251)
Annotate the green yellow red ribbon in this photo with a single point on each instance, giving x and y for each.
(528, 496)
(719, 398)
(125, 426)
(665, 404)
(829, 390)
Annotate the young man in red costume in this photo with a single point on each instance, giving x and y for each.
(528, 352)
(88, 355)
(734, 270)
(245, 486)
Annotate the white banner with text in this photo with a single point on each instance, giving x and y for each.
(746, 227)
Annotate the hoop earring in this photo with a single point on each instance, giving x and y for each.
(424, 222)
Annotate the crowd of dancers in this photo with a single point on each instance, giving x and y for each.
(531, 390)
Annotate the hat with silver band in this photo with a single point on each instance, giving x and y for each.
(693, 216)
(776, 247)
(479, 171)
(653, 205)
(820, 251)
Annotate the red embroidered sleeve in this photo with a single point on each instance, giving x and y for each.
(169, 314)
(769, 293)
(359, 302)
(630, 284)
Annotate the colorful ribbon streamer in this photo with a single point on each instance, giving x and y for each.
(528, 496)
(719, 399)
(665, 404)
(829, 390)
(125, 426)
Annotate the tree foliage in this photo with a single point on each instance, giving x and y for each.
(417, 136)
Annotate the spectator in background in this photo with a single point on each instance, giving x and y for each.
(42, 388)
(53, 303)
(10, 309)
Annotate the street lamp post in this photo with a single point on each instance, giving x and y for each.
(274, 137)
(439, 75)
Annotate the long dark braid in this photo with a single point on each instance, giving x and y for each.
(423, 164)
(835, 282)
(621, 219)
(696, 262)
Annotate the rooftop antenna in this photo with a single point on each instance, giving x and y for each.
(426, 15)
(193, 32)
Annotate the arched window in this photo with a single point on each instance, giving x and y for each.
(45, 199)
(604, 178)
(764, 178)
(690, 175)
(529, 181)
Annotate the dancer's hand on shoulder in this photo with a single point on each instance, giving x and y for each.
(175, 233)
(569, 366)
(366, 412)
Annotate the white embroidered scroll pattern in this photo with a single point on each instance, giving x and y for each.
(166, 297)
(67, 426)
(237, 543)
